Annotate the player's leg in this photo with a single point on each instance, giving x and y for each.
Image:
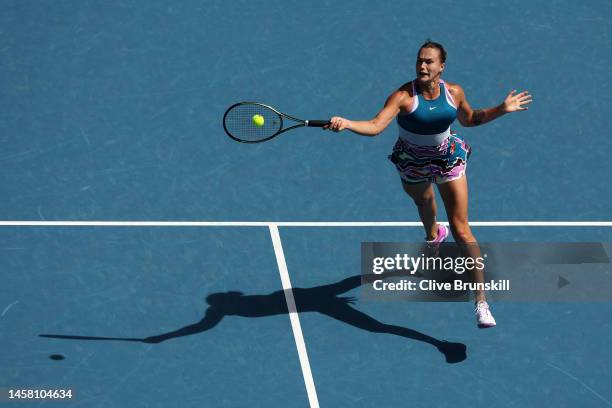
(424, 197)
(455, 197)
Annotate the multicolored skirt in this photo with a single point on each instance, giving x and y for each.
(434, 164)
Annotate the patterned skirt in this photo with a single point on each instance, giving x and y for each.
(434, 164)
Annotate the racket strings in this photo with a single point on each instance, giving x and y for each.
(240, 123)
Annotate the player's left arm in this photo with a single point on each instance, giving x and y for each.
(473, 117)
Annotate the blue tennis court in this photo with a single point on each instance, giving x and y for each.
(149, 261)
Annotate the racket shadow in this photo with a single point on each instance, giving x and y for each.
(323, 299)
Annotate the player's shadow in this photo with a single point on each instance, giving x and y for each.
(322, 299)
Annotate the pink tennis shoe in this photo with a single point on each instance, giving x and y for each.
(441, 237)
(433, 246)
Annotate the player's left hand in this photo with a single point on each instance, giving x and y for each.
(514, 102)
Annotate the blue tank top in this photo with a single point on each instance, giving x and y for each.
(429, 117)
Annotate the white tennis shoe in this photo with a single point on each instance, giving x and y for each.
(484, 318)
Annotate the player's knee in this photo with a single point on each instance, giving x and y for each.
(426, 200)
(461, 231)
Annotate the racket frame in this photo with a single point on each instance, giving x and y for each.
(281, 115)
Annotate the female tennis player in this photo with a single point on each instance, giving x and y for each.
(428, 152)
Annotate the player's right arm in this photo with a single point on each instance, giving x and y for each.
(376, 125)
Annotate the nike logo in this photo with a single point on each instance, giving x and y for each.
(432, 107)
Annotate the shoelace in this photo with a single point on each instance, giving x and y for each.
(482, 306)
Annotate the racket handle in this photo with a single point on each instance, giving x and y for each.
(317, 123)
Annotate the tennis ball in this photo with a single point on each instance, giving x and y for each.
(258, 120)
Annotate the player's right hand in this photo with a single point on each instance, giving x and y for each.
(337, 124)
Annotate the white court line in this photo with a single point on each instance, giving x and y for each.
(293, 223)
(294, 317)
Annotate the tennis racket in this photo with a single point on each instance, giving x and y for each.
(253, 122)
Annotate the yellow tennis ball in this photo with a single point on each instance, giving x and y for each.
(258, 120)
